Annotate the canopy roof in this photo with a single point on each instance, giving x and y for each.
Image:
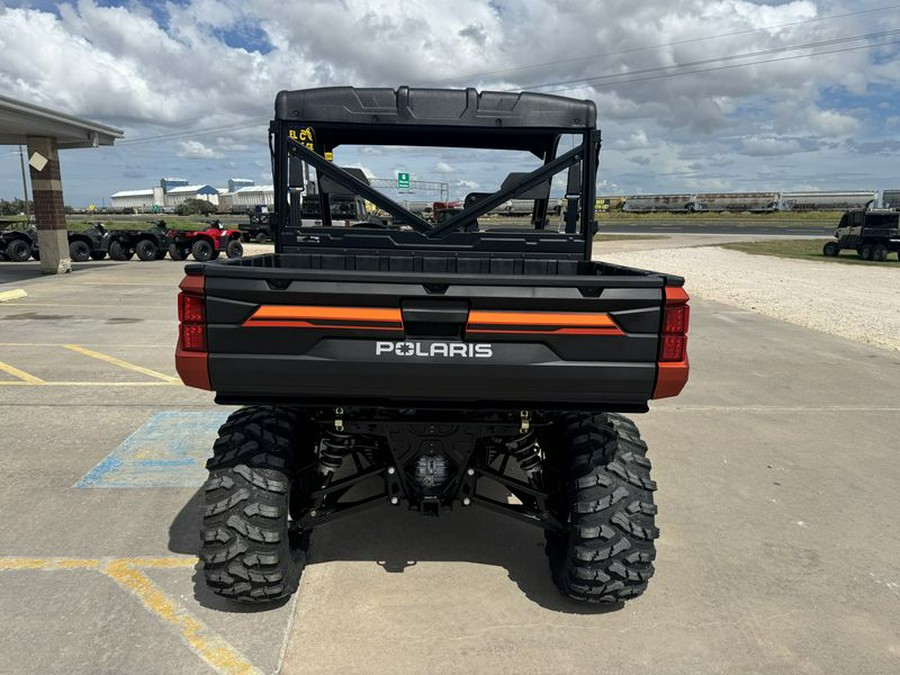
(19, 120)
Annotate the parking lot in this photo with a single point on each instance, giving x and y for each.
(777, 472)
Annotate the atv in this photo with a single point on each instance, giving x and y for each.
(18, 245)
(149, 244)
(89, 244)
(206, 244)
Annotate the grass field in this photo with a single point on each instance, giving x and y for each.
(804, 249)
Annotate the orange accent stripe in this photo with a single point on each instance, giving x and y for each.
(676, 295)
(611, 330)
(505, 318)
(306, 312)
(671, 378)
(252, 323)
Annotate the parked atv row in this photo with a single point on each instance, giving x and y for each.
(153, 243)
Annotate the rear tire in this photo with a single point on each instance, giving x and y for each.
(79, 251)
(179, 252)
(146, 250)
(865, 252)
(831, 249)
(18, 251)
(117, 251)
(879, 253)
(234, 249)
(249, 552)
(605, 555)
(202, 250)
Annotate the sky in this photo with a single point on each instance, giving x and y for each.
(692, 95)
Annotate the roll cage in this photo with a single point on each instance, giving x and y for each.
(310, 123)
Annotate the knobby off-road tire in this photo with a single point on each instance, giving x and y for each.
(831, 249)
(202, 250)
(234, 249)
(18, 251)
(146, 250)
(248, 552)
(117, 251)
(79, 251)
(606, 553)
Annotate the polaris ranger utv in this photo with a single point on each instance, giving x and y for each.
(436, 366)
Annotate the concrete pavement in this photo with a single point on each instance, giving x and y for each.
(777, 471)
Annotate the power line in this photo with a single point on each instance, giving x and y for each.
(627, 76)
(653, 47)
(736, 65)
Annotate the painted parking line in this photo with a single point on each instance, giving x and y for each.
(168, 450)
(128, 574)
(122, 364)
(23, 377)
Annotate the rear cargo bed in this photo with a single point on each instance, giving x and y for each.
(337, 328)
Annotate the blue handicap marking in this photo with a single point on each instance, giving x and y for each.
(169, 450)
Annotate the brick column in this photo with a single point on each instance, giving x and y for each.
(46, 189)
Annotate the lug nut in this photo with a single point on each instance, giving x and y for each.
(313, 513)
(392, 470)
(471, 472)
(466, 501)
(395, 501)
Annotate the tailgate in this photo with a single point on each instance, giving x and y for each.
(478, 340)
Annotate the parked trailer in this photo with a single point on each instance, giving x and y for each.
(738, 202)
(652, 203)
(828, 200)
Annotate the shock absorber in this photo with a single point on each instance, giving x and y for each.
(525, 451)
(335, 446)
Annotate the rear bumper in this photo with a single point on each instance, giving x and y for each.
(243, 379)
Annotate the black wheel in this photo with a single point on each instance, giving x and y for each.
(234, 249)
(146, 249)
(865, 251)
(606, 552)
(260, 238)
(831, 249)
(249, 552)
(98, 255)
(879, 253)
(177, 252)
(202, 250)
(18, 250)
(79, 251)
(117, 251)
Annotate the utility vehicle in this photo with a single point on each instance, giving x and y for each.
(91, 243)
(872, 233)
(434, 366)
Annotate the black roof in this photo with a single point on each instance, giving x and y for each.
(440, 117)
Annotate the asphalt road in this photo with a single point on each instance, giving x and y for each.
(777, 470)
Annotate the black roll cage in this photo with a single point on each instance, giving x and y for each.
(284, 147)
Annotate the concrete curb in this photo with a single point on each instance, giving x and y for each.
(14, 294)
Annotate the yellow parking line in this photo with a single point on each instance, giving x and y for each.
(126, 572)
(14, 294)
(217, 653)
(21, 374)
(123, 364)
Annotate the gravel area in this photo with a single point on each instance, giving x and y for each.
(859, 302)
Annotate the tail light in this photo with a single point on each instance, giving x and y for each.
(672, 367)
(192, 315)
(676, 316)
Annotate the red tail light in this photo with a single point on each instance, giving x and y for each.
(192, 315)
(676, 316)
(672, 368)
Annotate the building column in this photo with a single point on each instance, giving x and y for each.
(49, 214)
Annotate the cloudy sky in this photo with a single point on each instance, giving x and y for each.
(692, 95)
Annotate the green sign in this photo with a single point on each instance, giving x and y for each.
(402, 181)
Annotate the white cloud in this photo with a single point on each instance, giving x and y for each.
(118, 65)
(196, 150)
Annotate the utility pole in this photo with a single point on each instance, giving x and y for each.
(24, 186)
